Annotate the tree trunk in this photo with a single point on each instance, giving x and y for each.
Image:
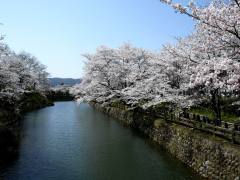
(216, 104)
(219, 105)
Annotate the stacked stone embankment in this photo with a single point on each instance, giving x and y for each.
(211, 156)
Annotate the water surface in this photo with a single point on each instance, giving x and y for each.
(75, 142)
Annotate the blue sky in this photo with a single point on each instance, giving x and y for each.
(57, 32)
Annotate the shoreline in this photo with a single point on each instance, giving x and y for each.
(208, 155)
(11, 116)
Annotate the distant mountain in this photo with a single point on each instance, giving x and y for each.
(63, 81)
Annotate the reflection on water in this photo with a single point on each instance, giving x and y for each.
(74, 142)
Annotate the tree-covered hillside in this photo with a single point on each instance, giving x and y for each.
(63, 81)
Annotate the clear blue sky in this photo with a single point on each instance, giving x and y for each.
(57, 32)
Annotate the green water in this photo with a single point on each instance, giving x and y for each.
(75, 142)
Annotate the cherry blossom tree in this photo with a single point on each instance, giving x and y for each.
(218, 23)
(215, 42)
(205, 62)
(36, 69)
(110, 71)
(20, 72)
(216, 76)
(129, 73)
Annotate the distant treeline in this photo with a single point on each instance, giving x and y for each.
(63, 81)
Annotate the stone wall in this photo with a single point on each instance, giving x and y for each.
(210, 156)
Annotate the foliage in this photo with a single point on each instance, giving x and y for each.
(206, 64)
(226, 116)
(20, 73)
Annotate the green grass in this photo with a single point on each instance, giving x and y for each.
(202, 111)
(210, 114)
(229, 117)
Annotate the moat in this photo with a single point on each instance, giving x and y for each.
(71, 141)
